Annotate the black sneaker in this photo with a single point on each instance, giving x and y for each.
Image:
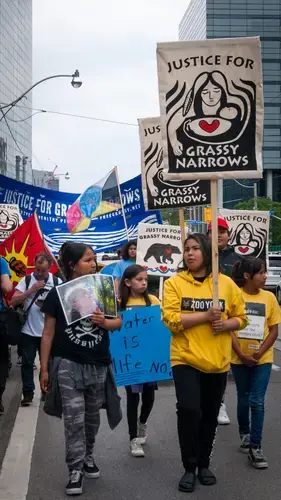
(257, 458)
(245, 443)
(1, 407)
(75, 483)
(27, 399)
(90, 469)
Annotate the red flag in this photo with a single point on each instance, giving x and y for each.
(22, 246)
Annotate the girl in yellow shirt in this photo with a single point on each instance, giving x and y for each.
(252, 356)
(133, 293)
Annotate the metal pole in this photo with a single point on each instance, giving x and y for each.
(255, 196)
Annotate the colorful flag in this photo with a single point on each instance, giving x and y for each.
(100, 198)
(20, 249)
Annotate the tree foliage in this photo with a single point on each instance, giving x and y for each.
(266, 204)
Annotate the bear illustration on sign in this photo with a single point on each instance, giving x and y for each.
(161, 251)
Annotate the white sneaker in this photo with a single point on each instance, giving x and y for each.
(223, 418)
(136, 448)
(142, 433)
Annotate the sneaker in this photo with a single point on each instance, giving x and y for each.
(245, 443)
(142, 433)
(1, 407)
(257, 458)
(75, 483)
(136, 448)
(19, 361)
(90, 469)
(27, 399)
(223, 418)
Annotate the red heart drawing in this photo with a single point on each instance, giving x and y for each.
(163, 269)
(209, 127)
(243, 249)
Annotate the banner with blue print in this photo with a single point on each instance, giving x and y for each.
(106, 232)
(140, 350)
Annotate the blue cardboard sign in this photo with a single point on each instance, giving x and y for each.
(140, 350)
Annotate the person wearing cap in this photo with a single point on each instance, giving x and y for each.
(227, 259)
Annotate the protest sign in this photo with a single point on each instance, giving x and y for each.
(10, 219)
(159, 193)
(140, 350)
(211, 107)
(159, 249)
(81, 297)
(249, 231)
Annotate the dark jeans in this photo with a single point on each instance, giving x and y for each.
(199, 398)
(29, 347)
(133, 399)
(251, 384)
(4, 364)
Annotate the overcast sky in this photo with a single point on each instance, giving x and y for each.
(113, 44)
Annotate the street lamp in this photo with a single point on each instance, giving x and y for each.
(76, 83)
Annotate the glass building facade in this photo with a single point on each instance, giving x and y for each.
(240, 18)
(15, 79)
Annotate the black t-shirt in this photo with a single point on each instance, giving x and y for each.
(82, 342)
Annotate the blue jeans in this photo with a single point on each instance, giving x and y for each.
(251, 384)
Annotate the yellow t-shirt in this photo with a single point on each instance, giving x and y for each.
(262, 311)
(140, 302)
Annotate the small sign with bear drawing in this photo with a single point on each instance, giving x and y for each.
(159, 249)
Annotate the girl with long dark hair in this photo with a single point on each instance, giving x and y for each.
(253, 355)
(200, 353)
(128, 254)
(133, 293)
(82, 352)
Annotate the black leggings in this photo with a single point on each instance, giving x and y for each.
(199, 398)
(133, 399)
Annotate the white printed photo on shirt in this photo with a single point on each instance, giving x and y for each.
(81, 297)
(249, 232)
(256, 318)
(159, 193)
(211, 105)
(159, 249)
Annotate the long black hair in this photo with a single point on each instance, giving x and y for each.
(124, 291)
(249, 265)
(125, 249)
(206, 249)
(71, 254)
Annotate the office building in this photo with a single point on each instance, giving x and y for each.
(47, 180)
(15, 79)
(240, 18)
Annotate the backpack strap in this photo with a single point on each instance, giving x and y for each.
(27, 281)
(55, 280)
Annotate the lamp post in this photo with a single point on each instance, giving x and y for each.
(76, 83)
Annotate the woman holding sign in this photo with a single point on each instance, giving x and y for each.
(80, 352)
(200, 353)
(253, 355)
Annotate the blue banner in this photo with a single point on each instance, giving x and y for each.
(140, 350)
(105, 233)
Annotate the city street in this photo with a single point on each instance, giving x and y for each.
(122, 476)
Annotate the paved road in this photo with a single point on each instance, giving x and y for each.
(156, 476)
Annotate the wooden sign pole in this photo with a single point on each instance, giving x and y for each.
(182, 226)
(215, 250)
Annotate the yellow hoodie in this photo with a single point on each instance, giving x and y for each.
(199, 346)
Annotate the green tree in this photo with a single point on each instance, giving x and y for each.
(266, 204)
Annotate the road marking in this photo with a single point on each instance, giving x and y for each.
(14, 477)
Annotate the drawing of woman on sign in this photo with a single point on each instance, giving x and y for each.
(210, 112)
(248, 240)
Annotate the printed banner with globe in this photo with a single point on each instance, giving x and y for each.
(101, 198)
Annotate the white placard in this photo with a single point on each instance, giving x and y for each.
(10, 219)
(159, 249)
(159, 193)
(249, 232)
(211, 105)
(256, 318)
